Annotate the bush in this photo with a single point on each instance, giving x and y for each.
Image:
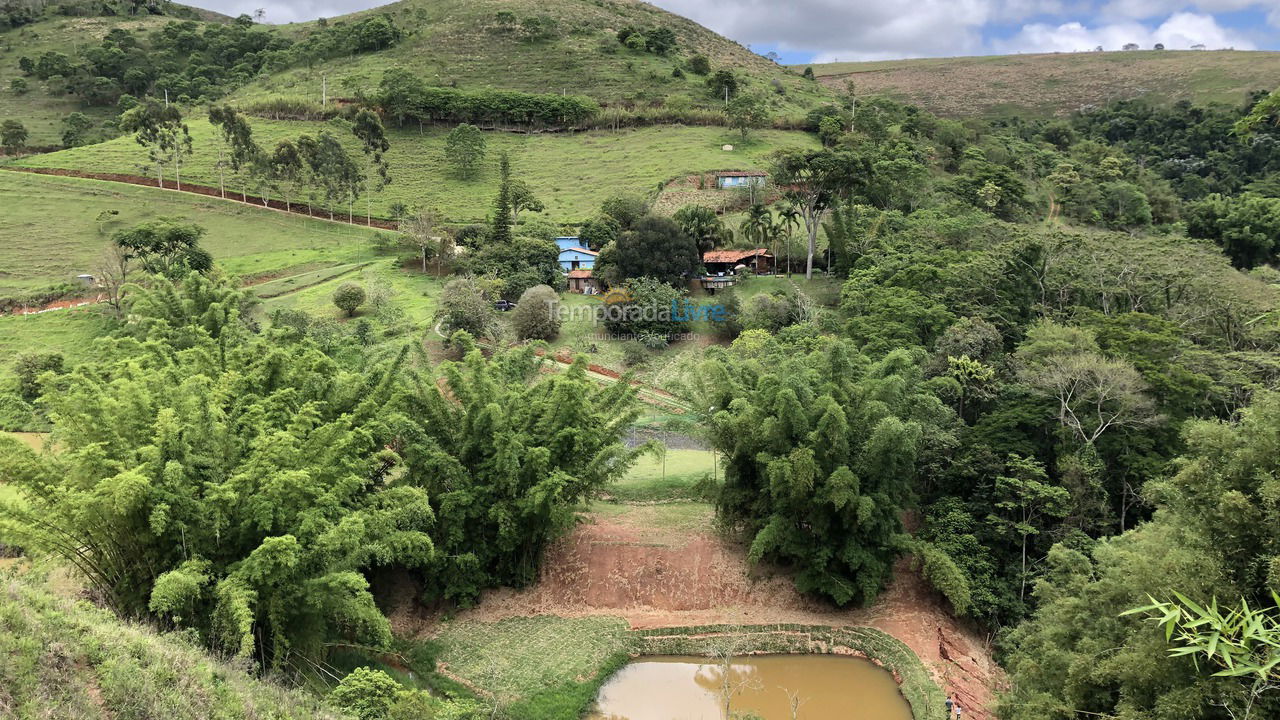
(349, 297)
(366, 694)
(625, 209)
(537, 315)
(467, 305)
(18, 86)
(406, 97)
(634, 353)
(699, 65)
(30, 366)
(648, 311)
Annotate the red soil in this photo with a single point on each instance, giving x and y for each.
(630, 567)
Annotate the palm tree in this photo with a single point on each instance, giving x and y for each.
(789, 220)
(758, 225)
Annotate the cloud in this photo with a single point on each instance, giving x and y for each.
(1179, 31)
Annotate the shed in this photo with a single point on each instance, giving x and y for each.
(582, 281)
(726, 262)
(740, 179)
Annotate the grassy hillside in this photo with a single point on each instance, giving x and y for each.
(462, 42)
(571, 173)
(40, 111)
(1059, 83)
(67, 659)
(35, 253)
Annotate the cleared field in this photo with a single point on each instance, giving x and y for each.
(549, 666)
(54, 228)
(571, 173)
(70, 332)
(1059, 83)
(669, 476)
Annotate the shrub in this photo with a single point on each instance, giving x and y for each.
(366, 694)
(537, 315)
(349, 297)
(648, 311)
(699, 65)
(467, 305)
(18, 86)
(30, 366)
(634, 353)
(405, 96)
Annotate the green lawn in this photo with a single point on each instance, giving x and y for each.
(55, 228)
(536, 667)
(571, 173)
(671, 475)
(70, 332)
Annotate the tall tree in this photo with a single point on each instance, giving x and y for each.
(159, 128)
(13, 137)
(367, 127)
(464, 148)
(287, 169)
(502, 205)
(813, 179)
(236, 147)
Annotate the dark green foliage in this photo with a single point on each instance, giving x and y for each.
(699, 64)
(625, 209)
(723, 84)
(30, 366)
(467, 305)
(247, 480)
(505, 455)
(406, 97)
(821, 449)
(517, 265)
(704, 226)
(165, 246)
(365, 694)
(1247, 226)
(659, 41)
(76, 130)
(500, 232)
(655, 247)
(598, 232)
(13, 136)
(808, 73)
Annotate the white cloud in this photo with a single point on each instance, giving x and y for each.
(1179, 31)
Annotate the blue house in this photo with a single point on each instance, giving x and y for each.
(573, 256)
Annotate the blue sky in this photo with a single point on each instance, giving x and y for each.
(802, 31)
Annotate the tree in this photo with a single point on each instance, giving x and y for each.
(112, 275)
(159, 128)
(652, 310)
(367, 127)
(699, 64)
(656, 247)
(286, 168)
(704, 226)
(1025, 501)
(746, 112)
(75, 129)
(423, 233)
(1246, 226)
(464, 148)
(625, 208)
(466, 304)
(366, 694)
(598, 232)
(236, 147)
(723, 84)
(331, 168)
(813, 179)
(522, 198)
(1093, 393)
(165, 246)
(13, 137)
(348, 298)
(758, 227)
(1265, 112)
(502, 205)
(537, 314)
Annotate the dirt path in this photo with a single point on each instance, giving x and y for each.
(632, 565)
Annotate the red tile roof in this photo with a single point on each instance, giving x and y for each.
(580, 274)
(733, 256)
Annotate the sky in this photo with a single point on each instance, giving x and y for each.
(802, 31)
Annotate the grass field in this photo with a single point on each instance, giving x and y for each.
(670, 476)
(571, 173)
(54, 228)
(543, 667)
(1059, 83)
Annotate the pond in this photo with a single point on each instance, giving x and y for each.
(828, 687)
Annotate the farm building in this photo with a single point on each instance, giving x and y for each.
(740, 179)
(581, 281)
(727, 262)
(573, 256)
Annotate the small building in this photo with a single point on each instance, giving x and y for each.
(740, 179)
(573, 256)
(727, 262)
(582, 281)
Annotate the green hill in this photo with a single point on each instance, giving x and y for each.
(540, 46)
(1060, 83)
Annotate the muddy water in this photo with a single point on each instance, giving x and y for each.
(687, 688)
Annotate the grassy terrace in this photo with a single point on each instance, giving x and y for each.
(571, 173)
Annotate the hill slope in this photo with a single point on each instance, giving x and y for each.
(467, 43)
(1059, 83)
